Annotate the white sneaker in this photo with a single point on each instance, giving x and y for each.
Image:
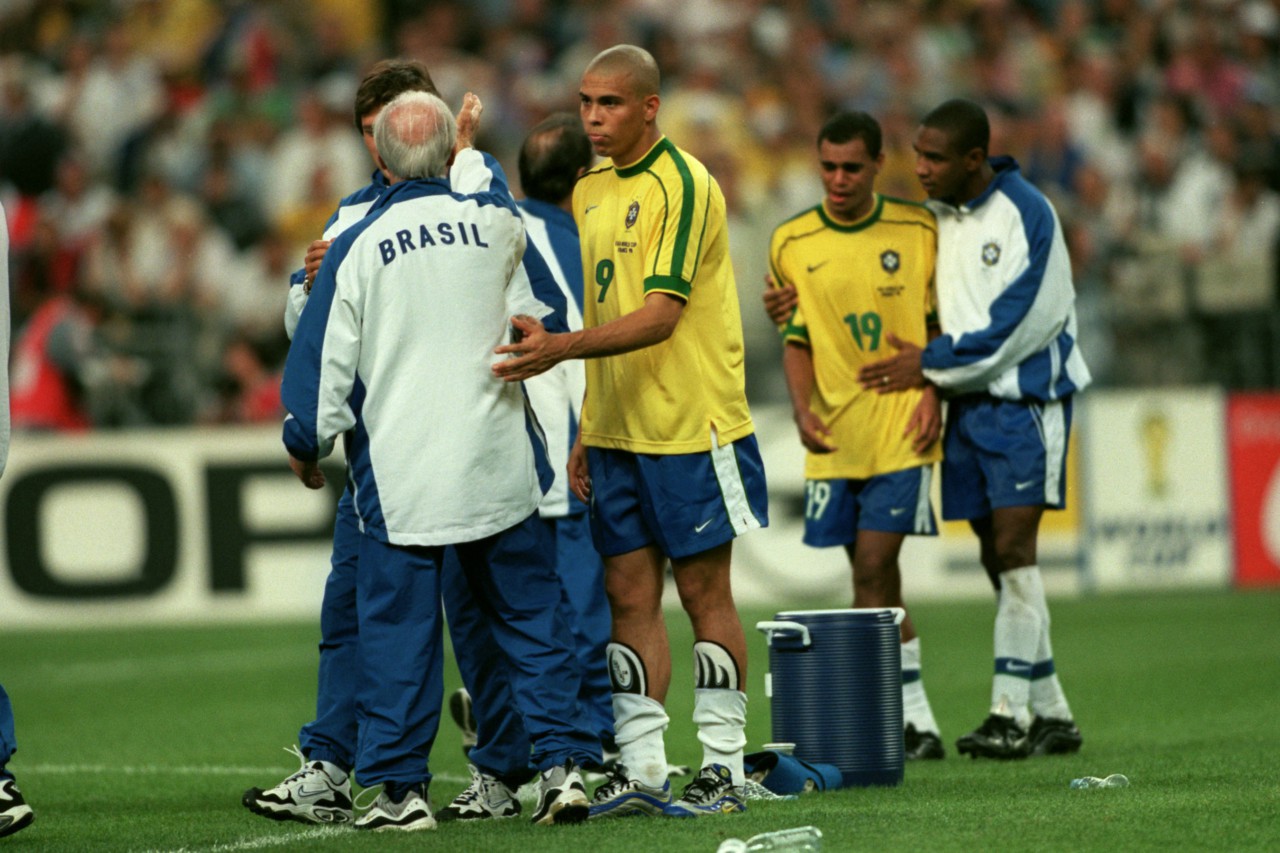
(15, 814)
(562, 797)
(319, 792)
(486, 797)
(411, 812)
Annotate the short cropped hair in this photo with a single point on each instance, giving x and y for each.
(387, 80)
(964, 122)
(553, 154)
(415, 135)
(849, 125)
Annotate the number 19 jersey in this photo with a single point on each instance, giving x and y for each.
(659, 225)
(857, 283)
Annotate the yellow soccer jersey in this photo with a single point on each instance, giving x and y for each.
(659, 225)
(857, 283)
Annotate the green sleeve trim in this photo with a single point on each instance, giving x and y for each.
(791, 333)
(688, 201)
(667, 284)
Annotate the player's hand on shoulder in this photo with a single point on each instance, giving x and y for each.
(779, 301)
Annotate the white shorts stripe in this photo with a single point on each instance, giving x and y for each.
(724, 460)
(1053, 429)
(924, 512)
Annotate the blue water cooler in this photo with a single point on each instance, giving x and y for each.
(835, 689)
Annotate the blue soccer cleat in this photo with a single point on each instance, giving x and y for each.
(711, 792)
(621, 796)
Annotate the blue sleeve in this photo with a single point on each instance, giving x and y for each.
(1026, 315)
(546, 290)
(300, 387)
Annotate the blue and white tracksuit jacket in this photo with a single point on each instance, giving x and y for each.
(442, 453)
(1006, 302)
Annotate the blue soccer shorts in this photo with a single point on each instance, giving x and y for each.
(1003, 453)
(685, 503)
(835, 510)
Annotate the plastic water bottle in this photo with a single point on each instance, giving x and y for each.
(1115, 780)
(800, 839)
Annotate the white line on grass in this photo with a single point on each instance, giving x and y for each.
(181, 770)
(264, 841)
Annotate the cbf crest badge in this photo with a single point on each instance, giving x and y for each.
(889, 261)
(991, 254)
(633, 213)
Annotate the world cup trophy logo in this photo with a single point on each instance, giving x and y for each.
(1155, 443)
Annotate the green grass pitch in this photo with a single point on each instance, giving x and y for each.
(144, 739)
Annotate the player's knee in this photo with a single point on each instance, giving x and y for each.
(871, 589)
(1014, 553)
(704, 594)
(629, 599)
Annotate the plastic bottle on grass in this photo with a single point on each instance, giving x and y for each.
(1115, 780)
(800, 839)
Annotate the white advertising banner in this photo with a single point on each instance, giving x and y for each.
(210, 524)
(160, 526)
(1156, 489)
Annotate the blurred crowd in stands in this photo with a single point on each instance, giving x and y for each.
(163, 163)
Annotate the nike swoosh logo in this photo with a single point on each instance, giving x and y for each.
(701, 526)
(897, 510)
(813, 267)
(312, 792)
(1017, 667)
(590, 208)
(1022, 486)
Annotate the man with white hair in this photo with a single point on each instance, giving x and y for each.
(437, 457)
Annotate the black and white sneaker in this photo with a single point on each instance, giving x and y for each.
(486, 797)
(400, 808)
(1052, 736)
(460, 710)
(997, 737)
(921, 746)
(15, 814)
(562, 798)
(319, 792)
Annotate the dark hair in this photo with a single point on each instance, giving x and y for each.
(553, 154)
(964, 122)
(387, 80)
(846, 126)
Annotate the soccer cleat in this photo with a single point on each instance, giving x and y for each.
(921, 746)
(562, 798)
(460, 710)
(15, 814)
(711, 792)
(997, 737)
(319, 792)
(486, 797)
(1052, 736)
(621, 796)
(408, 813)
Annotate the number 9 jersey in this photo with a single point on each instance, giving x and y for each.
(659, 225)
(856, 283)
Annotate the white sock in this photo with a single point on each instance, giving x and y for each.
(638, 724)
(1047, 698)
(915, 703)
(1017, 636)
(721, 718)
